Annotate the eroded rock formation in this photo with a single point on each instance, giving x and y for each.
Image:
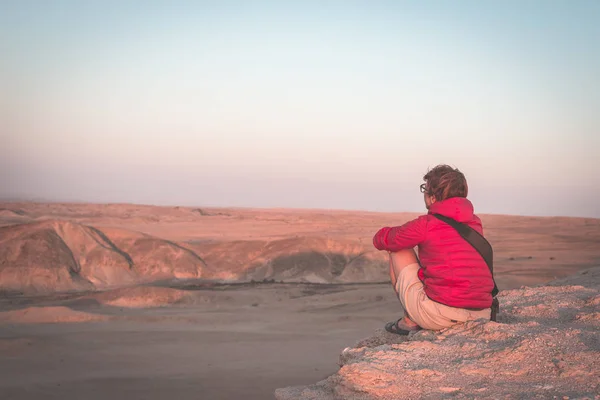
(56, 256)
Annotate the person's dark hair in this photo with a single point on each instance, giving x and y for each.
(445, 182)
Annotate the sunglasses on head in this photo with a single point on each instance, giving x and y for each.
(422, 187)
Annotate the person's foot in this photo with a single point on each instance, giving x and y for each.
(402, 327)
(407, 323)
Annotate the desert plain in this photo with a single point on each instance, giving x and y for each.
(130, 301)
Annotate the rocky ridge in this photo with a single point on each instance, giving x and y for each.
(58, 256)
(544, 345)
(52, 256)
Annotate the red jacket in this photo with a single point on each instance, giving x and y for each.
(452, 271)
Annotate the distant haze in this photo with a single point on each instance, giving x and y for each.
(335, 104)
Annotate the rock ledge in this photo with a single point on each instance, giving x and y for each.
(545, 345)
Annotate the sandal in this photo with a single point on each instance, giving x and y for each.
(392, 327)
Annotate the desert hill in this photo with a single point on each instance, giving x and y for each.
(305, 259)
(544, 345)
(12, 216)
(61, 256)
(56, 256)
(46, 247)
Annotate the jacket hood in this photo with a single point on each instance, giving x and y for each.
(458, 208)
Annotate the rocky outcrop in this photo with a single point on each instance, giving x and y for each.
(57, 256)
(301, 259)
(544, 345)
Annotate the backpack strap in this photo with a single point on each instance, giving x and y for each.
(483, 247)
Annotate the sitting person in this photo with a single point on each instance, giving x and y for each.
(450, 282)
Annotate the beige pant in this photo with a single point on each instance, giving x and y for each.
(427, 313)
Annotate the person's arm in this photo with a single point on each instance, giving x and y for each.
(402, 237)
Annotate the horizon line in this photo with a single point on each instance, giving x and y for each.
(263, 208)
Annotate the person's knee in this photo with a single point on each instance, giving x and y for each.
(402, 258)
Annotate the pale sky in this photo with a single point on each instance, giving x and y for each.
(312, 104)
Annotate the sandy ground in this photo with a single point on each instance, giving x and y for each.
(228, 343)
(236, 341)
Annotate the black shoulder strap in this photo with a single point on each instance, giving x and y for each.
(475, 239)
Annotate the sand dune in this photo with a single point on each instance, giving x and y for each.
(48, 315)
(139, 297)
